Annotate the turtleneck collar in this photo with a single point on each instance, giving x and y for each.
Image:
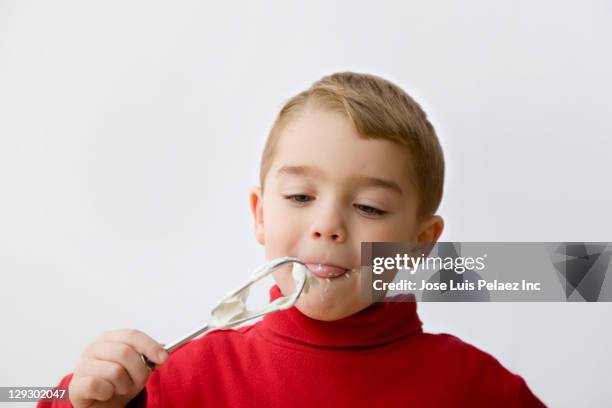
(379, 324)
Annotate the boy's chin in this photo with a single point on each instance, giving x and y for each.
(327, 307)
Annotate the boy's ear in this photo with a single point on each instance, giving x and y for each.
(256, 204)
(431, 229)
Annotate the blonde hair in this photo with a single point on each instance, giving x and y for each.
(378, 109)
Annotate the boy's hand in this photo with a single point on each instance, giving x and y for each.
(110, 371)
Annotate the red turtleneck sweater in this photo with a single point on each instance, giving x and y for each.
(378, 357)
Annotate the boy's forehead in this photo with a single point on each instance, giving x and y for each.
(322, 144)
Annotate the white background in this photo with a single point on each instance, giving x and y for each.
(131, 132)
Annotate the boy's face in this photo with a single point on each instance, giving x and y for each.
(326, 191)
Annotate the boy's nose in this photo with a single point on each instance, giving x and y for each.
(337, 237)
(329, 226)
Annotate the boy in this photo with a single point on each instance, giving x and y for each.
(351, 159)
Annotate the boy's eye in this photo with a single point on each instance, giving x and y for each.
(298, 198)
(369, 210)
(366, 209)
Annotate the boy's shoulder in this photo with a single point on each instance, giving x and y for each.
(457, 351)
(446, 342)
(462, 360)
(225, 338)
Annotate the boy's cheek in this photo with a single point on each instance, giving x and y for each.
(281, 228)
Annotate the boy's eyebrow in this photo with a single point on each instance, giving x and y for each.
(378, 182)
(363, 180)
(299, 171)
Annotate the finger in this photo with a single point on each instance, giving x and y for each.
(142, 343)
(87, 388)
(109, 371)
(123, 354)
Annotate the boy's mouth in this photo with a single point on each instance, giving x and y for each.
(326, 271)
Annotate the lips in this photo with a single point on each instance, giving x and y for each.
(326, 270)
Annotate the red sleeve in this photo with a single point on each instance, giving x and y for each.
(142, 400)
(485, 381)
(500, 387)
(58, 404)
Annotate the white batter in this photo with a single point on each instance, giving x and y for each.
(233, 307)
